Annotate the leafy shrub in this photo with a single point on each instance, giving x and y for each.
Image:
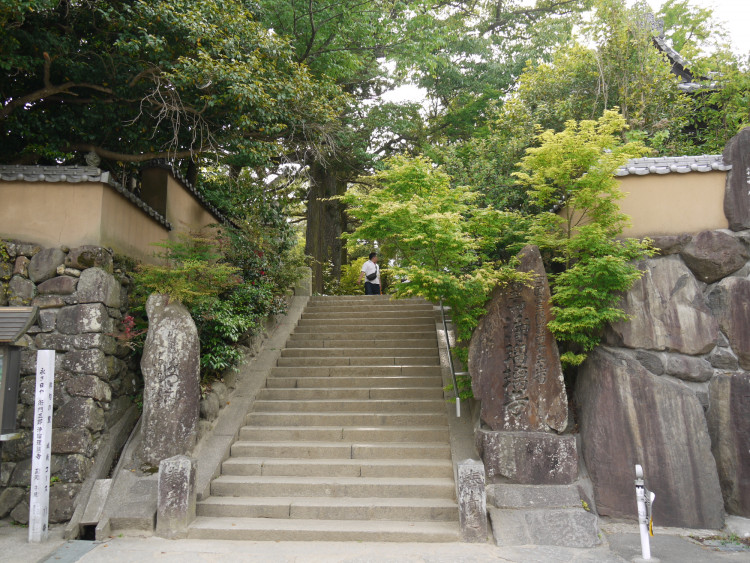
(576, 167)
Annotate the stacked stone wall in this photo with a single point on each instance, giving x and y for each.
(670, 388)
(82, 296)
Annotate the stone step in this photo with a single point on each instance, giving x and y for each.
(345, 433)
(330, 320)
(289, 467)
(405, 382)
(356, 328)
(370, 343)
(365, 298)
(381, 487)
(272, 529)
(398, 352)
(411, 337)
(340, 450)
(359, 361)
(355, 371)
(344, 419)
(564, 527)
(349, 393)
(322, 508)
(345, 405)
(363, 309)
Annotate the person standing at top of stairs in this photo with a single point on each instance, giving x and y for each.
(371, 273)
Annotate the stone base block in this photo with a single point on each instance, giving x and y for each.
(535, 458)
(566, 527)
(533, 496)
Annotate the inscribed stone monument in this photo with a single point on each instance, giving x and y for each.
(513, 357)
(171, 377)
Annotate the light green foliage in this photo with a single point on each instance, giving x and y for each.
(349, 278)
(233, 283)
(575, 169)
(437, 238)
(190, 272)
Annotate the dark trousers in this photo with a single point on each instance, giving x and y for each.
(372, 288)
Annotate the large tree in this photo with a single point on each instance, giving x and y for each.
(136, 80)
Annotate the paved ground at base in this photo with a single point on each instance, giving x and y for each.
(620, 547)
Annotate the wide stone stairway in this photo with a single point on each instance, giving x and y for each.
(349, 441)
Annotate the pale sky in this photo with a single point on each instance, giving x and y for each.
(734, 13)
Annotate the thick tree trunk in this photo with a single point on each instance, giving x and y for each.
(325, 223)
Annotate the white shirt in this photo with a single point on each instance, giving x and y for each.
(369, 268)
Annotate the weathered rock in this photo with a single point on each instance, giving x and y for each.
(513, 357)
(6, 470)
(472, 501)
(20, 448)
(221, 391)
(628, 416)
(171, 374)
(20, 291)
(48, 301)
(59, 342)
(73, 468)
(22, 474)
(671, 244)
(72, 441)
(20, 514)
(16, 248)
(9, 499)
(737, 196)
(72, 272)
(89, 317)
(79, 412)
(535, 458)
(47, 320)
(3, 294)
(729, 426)
(560, 527)
(729, 300)
(89, 386)
(723, 358)
(176, 497)
(103, 342)
(62, 498)
(44, 264)
(88, 362)
(89, 257)
(713, 255)
(59, 285)
(653, 362)
(667, 311)
(21, 266)
(97, 286)
(210, 407)
(689, 368)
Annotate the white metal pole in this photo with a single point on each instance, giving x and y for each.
(458, 405)
(643, 517)
(42, 447)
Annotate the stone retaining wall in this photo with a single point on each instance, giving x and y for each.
(82, 298)
(671, 388)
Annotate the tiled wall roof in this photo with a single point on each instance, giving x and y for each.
(74, 175)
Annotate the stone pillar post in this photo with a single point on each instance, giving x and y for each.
(472, 501)
(176, 497)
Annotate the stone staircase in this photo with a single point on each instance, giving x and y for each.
(349, 441)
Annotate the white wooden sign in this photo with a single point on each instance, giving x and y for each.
(42, 448)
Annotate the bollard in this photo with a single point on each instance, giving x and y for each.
(644, 499)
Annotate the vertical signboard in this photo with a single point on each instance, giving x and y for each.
(42, 447)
